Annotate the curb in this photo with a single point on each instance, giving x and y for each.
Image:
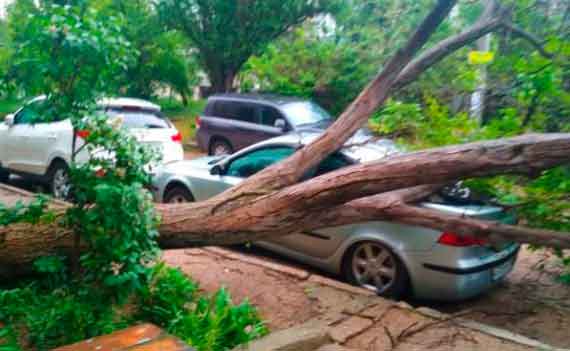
(496, 332)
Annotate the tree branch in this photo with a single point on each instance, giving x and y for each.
(492, 231)
(396, 207)
(491, 19)
(531, 38)
(297, 207)
(375, 94)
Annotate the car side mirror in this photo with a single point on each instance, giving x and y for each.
(217, 170)
(281, 124)
(9, 120)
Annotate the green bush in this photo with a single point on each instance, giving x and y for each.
(52, 312)
(208, 323)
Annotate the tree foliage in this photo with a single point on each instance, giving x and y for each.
(158, 59)
(69, 54)
(227, 33)
(163, 58)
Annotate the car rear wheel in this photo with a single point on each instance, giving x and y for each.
(178, 195)
(59, 182)
(220, 147)
(373, 266)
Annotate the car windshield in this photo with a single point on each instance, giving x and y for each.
(302, 113)
(140, 119)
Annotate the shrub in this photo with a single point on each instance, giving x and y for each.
(44, 315)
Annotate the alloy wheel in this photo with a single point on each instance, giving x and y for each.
(374, 267)
(221, 149)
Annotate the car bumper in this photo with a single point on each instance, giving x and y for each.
(431, 281)
(202, 138)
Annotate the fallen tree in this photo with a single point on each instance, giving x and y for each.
(275, 201)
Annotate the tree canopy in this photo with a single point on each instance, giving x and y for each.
(227, 33)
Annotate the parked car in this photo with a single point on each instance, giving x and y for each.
(388, 258)
(43, 150)
(231, 122)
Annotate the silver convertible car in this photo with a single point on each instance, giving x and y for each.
(389, 258)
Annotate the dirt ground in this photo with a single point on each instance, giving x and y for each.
(530, 302)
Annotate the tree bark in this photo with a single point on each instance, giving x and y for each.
(222, 80)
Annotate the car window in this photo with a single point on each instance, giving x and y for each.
(269, 115)
(253, 162)
(140, 119)
(303, 113)
(331, 163)
(31, 113)
(240, 111)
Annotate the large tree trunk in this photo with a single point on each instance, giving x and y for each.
(273, 202)
(222, 80)
(342, 197)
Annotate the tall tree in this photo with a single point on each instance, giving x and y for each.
(162, 57)
(227, 33)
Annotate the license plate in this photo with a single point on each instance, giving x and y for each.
(501, 270)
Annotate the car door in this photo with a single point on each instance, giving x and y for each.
(271, 123)
(32, 139)
(320, 243)
(18, 143)
(317, 243)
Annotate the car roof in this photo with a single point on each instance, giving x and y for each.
(270, 98)
(127, 102)
(362, 148)
(116, 102)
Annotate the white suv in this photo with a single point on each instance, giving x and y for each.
(43, 150)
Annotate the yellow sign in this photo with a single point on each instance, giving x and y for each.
(481, 57)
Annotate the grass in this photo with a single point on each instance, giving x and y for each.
(183, 117)
(175, 110)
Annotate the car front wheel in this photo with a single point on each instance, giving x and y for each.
(178, 195)
(373, 266)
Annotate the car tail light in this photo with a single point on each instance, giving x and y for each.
(83, 134)
(198, 122)
(452, 239)
(177, 138)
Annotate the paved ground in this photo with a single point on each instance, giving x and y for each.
(290, 297)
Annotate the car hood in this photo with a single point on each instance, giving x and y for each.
(201, 163)
(322, 125)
